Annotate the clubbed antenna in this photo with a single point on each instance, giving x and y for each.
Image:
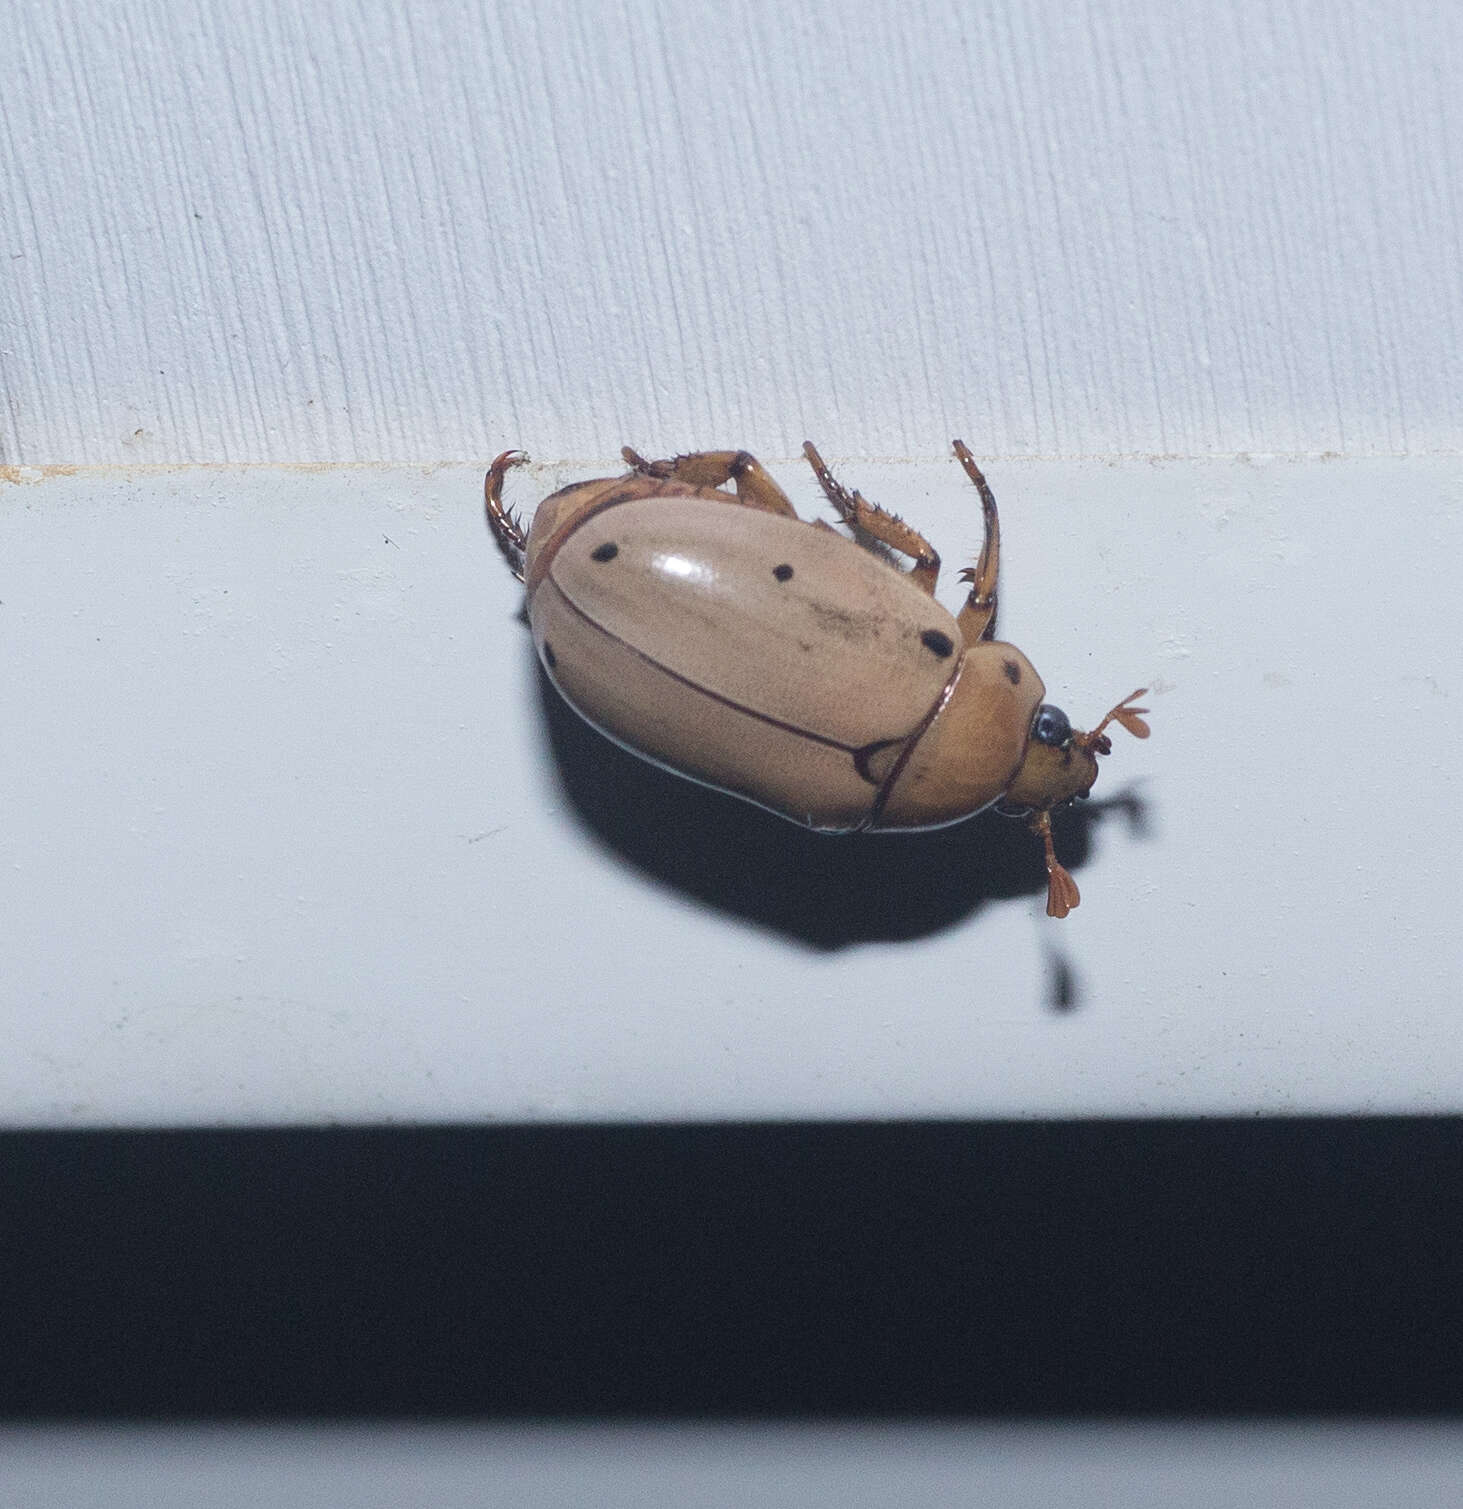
(1131, 718)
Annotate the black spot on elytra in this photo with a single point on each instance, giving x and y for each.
(550, 659)
(783, 572)
(1013, 672)
(606, 552)
(940, 643)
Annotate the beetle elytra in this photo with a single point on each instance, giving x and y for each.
(718, 634)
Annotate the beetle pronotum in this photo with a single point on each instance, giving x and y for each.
(718, 634)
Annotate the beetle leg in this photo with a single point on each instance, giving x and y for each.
(870, 522)
(1061, 890)
(507, 530)
(977, 619)
(755, 489)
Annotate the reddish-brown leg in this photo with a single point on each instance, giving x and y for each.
(869, 520)
(977, 619)
(507, 530)
(1061, 890)
(755, 489)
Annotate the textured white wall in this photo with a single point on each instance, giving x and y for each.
(345, 231)
(284, 832)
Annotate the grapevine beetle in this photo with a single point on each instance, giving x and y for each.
(718, 634)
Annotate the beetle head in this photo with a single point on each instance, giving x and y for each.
(1060, 761)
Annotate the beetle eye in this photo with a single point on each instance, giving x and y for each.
(1050, 726)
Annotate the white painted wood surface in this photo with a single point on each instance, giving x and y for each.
(724, 1466)
(286, 830)
(290, 832)
(339, 231)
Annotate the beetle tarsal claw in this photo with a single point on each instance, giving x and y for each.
(637, 463)
(502, 462)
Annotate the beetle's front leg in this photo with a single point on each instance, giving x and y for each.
(1061, 890)
(755, 489)
(885, 528)
(507, 530)
(977, 619)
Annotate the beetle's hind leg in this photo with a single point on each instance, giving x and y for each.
(507, 530)
(755, 489)
(977, 619)
(869, 521)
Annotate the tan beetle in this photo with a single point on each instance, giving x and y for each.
(725, 638)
